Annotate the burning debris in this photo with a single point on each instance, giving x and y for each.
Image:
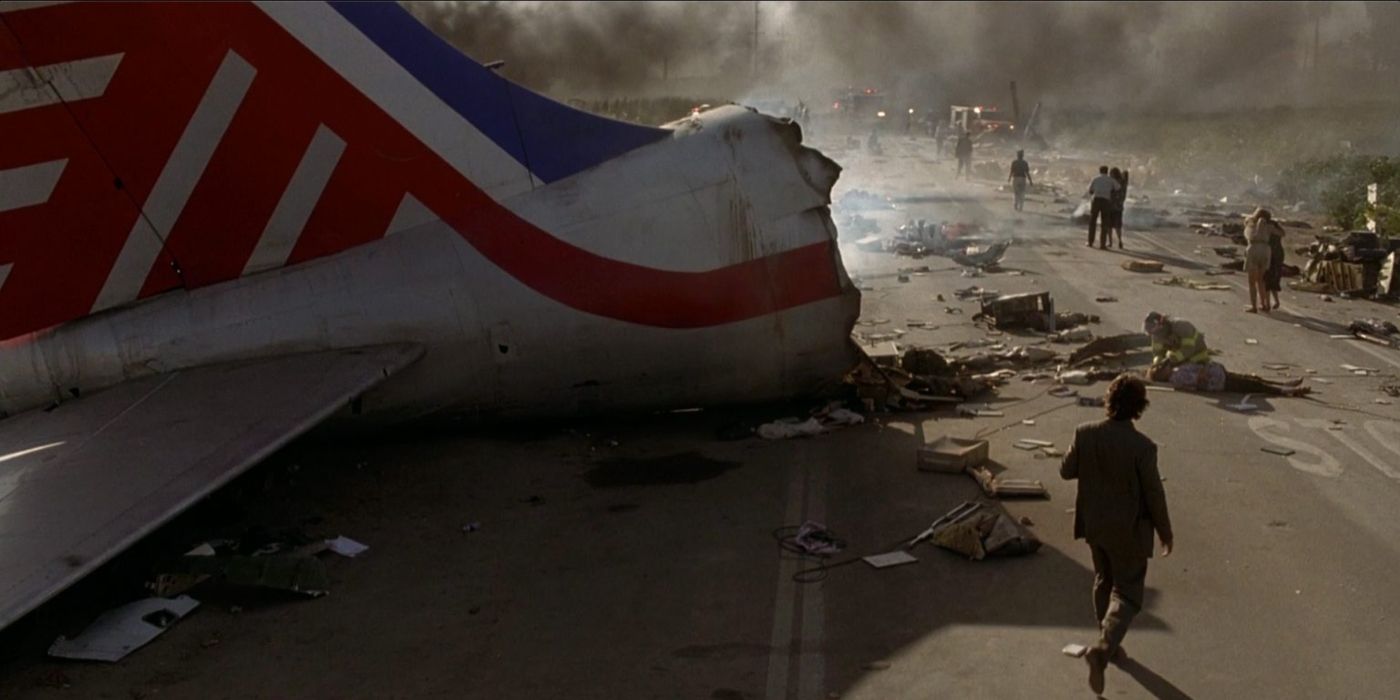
(1358, 265)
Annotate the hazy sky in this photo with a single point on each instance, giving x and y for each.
(1135, 55)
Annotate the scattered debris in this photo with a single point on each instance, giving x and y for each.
(346, 547)
(1191, 284)
(1032, 309)
(296, 573)
(1352, 266)
(888, 559)
(785, 428)
(996, 487)
(861, 200)
(1115, 345)
(1072, 335)
(1075, 650)
(1360, 371)
(952, 455)
(813, 538)
(1105, 300)
(1244, 406)
(1251, 341)
(1375, 330)
(975, 292)
(1281, 451)
(959, 513)
(1076, 376)
(122, 630)
(979, 411)
(979, 257)
(978, 534)
(1143, 266)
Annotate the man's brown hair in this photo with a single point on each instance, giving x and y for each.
(1127, 398)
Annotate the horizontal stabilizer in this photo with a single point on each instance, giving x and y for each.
(81, 482)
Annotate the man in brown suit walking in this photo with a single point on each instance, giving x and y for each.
(1120, 505)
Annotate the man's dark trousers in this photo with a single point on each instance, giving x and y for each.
(1099, 209)
(1119, 578)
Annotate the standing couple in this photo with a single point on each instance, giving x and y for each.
(1263, 260)
(1109, 192)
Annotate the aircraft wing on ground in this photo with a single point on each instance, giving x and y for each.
(83, 480)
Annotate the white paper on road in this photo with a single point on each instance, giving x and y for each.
(887, 559)
(120, 631)
(346, 547)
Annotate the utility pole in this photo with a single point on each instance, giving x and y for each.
(753, 53)
(1015, 106)
(1317, 31)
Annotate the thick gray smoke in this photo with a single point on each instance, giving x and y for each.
(1134, 56)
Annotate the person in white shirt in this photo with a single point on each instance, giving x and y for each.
(1101, 206)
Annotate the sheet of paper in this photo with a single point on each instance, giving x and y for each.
(894, 558)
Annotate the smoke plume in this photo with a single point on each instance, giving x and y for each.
(1136, 56)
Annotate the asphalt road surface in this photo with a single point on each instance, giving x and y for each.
(634, 558)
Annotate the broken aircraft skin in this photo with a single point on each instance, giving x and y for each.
(275, 179)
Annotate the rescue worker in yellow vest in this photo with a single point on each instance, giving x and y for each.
(1174, 342)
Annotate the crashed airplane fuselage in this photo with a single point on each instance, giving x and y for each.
(208, 185)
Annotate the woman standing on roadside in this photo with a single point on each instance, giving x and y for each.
(1257, 229)
(1273, 279)
(1120, 202)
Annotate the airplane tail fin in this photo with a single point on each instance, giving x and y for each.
(152, 147)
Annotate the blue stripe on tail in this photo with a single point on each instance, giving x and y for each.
(551, 139)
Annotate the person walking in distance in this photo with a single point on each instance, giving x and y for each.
(1020, 179)
(1119, 506)
(963, 152)
(1101, 190)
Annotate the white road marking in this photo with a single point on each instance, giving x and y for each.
(811, 658)
(800, 604)
(780, 642)
(410, 214)
(289, 218)
(1350, 444)
(29, 185)
(70, 81)
(1385, 432)
(172, 188)
(1326, 464)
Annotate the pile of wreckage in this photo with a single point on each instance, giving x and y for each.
(1361, 264)
(284, 563)
(921, 378)
(917, 239)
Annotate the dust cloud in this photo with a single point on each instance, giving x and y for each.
(1140, 56)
